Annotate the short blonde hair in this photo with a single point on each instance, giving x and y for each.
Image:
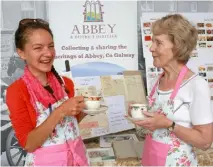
(181, 33)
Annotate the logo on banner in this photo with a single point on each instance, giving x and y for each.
(94, 26)
(93, 11)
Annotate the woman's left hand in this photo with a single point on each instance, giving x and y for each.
(154, 121)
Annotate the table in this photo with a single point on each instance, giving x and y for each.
(205, 158)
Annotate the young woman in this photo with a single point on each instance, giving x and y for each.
(42, 108)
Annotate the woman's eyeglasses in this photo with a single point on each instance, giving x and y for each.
(27, 21)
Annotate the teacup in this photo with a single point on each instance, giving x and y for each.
(137, 110)
(93, 102)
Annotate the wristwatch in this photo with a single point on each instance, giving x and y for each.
(171, 128)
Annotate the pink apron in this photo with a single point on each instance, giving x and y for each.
(72, 153)
(64, 147)
(154, 152)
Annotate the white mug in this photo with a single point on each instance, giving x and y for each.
(137, 110)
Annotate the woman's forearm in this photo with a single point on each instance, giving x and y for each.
(40, 134)
(195, 136)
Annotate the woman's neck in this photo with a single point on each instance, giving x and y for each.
(172, 71)
(41, 76)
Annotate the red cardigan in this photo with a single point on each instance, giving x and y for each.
(22, 113)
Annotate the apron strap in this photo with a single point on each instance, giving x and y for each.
(179, 81)
(177, 85)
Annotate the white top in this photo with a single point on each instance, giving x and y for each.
(192, 102)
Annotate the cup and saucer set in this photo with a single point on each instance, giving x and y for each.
(136, 111)
(94, 105)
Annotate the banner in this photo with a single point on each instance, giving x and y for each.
(96, 41)
(96, 37)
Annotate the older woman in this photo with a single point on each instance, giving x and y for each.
(180, 100)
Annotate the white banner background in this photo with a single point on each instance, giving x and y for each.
(118, 29)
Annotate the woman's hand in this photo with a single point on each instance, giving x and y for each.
(73, 106)
(154, 121)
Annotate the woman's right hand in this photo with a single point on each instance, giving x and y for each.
(73, 106)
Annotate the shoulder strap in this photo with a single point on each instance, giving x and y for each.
(179, 81)
(177, 85)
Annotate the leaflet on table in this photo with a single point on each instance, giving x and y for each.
(118, 84)
(134, 86)
(106, 141)
(93, 126)
(116, 112)
(101, 156)
(107, 86)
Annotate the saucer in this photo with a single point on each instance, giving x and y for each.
(133, 119)
(102, 109)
